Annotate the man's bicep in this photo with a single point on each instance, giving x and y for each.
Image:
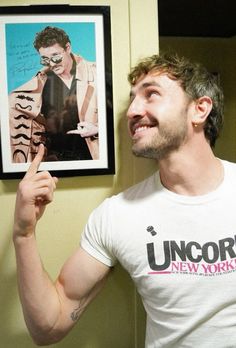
(82, 277)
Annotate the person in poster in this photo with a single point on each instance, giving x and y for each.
(57, 107)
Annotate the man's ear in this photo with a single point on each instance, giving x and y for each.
(68, 47)
(203, 107)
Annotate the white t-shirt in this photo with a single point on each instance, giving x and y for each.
(181, 253)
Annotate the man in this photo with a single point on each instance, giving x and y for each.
(58, 107)
(173, 232)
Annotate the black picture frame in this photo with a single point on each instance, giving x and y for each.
(18, 59)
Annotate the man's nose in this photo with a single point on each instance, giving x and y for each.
(51, 63)
(136, 108)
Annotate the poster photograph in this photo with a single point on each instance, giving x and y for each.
(56, 78)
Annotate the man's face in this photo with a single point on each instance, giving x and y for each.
(56, 58)
(157, 116)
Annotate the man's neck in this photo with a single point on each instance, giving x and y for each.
(67, 76)
(67, 80)
(192, 174)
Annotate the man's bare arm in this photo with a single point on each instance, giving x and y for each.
(50, 310)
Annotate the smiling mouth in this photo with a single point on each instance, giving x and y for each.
(141, 129)
(138, 129)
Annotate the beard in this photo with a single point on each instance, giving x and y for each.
(162, 144)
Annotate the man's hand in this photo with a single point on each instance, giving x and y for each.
(85, 129)
(34, 193)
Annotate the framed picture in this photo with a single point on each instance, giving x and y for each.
(56, 89)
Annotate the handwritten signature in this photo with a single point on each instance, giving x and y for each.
(23, 68)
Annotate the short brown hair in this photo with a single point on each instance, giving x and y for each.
(50, 36)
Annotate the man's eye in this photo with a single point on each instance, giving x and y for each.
(152, 93)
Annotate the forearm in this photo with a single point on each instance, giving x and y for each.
(44, 311)
(39, 297)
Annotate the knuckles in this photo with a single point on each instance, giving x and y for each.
(43, 181)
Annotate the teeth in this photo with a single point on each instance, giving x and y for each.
(140, 129)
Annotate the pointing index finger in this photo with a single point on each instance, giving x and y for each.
(33, 168)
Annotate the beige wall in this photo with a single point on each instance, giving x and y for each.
(218, 54)
(116, 318)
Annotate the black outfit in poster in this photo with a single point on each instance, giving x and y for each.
(59, 107)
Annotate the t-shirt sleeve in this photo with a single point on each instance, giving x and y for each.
(96, 238)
